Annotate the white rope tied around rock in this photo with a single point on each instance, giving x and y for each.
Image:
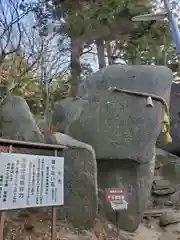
(165, 121)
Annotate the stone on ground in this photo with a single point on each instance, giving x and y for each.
(17, 122)
(80, 182)
(122, 129)
(115, 123)
(169, 217)
(168, 236)
(161, 184)
(170, 166)
(65, 112)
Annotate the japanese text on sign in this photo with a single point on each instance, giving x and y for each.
(30, 181)
(114, 194)
(116, 198)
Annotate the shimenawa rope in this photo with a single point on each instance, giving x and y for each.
(165, 120)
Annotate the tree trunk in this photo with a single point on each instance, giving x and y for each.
(76, 50)
(44, 82)
(100, 53)
(109, 53)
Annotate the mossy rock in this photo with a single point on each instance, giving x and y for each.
(163, 160)
(170, 165)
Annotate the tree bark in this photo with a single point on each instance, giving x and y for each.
(100, 53)
(109, 53)
(76, 49)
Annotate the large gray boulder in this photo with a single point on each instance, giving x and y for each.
(17, 122)
(170, 166)
(80, 183)
(65, 112)
(174, 110)
(136, 179)
(44, 128)
(122, 130)
(169, 172)
(120, 125)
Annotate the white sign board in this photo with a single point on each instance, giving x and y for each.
(30, 181)
(118, 205)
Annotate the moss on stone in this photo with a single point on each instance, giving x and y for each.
(164, 160)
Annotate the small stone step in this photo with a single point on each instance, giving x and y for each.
(161, 184)
(162, 192)
(169, 217)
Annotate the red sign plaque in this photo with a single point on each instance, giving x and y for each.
(113, 194)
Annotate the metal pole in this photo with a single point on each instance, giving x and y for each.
(117, 224)
(31, 144)
(2, 213)
(53, 223)
(166, 5)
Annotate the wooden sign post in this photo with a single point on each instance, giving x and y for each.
(116, 198)
(30, 181)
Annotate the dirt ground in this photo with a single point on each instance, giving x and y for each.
(144, 233)
(36, 225)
